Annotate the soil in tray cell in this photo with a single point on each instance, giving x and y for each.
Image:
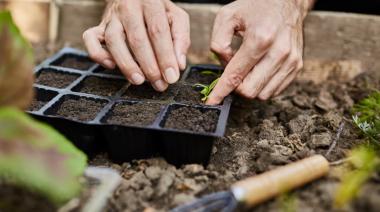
(56, 79)
(74, 62)
(102, 70)
(193, 119)
(146, 91)
(79, 108)
(137, 114)
(100, 86)
(42, 97)
(188, 94)
(202, 76)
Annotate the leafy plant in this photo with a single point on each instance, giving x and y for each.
(16, 65)
(33, 156)
(364, 159)
(206, 89)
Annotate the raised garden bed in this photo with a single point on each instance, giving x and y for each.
(100, 111)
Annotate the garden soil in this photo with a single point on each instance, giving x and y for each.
(303, 121)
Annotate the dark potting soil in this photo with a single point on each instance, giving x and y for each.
(138, 114)
(81, 109)
(74, 62)
(55, 79)
(102, 70)
(188, 118)
(188, 94)
(197, 77)
(146, 91)
(100, 86)
(36, 105)
(10, 197)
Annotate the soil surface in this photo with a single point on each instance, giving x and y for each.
(198, 77)
(10, 200)
(146, 91)
(193, 119)
(139, 114)
(102, 70)
(36, 105)
(303, 121)
(81, 109)
(188, 94)
(100, 86)
(55, 79)
(74, 62)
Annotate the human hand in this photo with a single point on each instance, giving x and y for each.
(147, 39)
(271, 52)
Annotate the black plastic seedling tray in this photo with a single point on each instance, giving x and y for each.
(90, 106)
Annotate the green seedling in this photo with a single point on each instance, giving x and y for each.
(206, 89)
(364, 159)
(212, 73)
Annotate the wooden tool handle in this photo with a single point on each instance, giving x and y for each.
(260, 188)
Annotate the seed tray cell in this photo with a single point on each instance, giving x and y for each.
(101, 112)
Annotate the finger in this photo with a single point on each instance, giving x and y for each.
(251, 51)
(93, 38)
(180, 30)
(276, 81)
(264, 70)
(132, 20)
(115, 41)
(160, 37)
(286, 83)
(222, 34)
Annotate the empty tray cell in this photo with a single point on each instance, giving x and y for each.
(55, 78)
(74, 61)
(202, 76)
(42, 97)
(189, 94)
(194, 119)
(102, 70)
(77, 108)
(100, 86)
(146, 91)
(133, 113)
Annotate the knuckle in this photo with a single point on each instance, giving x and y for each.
(234, 80)
(218, 48)
(156, 29)
(299, 65)
(263, 39)
(246, 93)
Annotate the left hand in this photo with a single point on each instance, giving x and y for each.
(271, 52)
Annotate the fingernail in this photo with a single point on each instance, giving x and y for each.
(183, 61)
(171, 75)
(137, 79)
(160, 85)
(109, 64)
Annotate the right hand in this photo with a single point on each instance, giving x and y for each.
(146, 39)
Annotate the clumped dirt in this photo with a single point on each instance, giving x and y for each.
(138, 114)
(81, 109)
(146, 91)
(260, 136)
(193, 119)
(188, 94)
(198, 77)
(100, 86)
(11, 195)
(55, 79)
(101, 70)
(74, 62)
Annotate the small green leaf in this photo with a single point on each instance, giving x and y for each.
(365, 161)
